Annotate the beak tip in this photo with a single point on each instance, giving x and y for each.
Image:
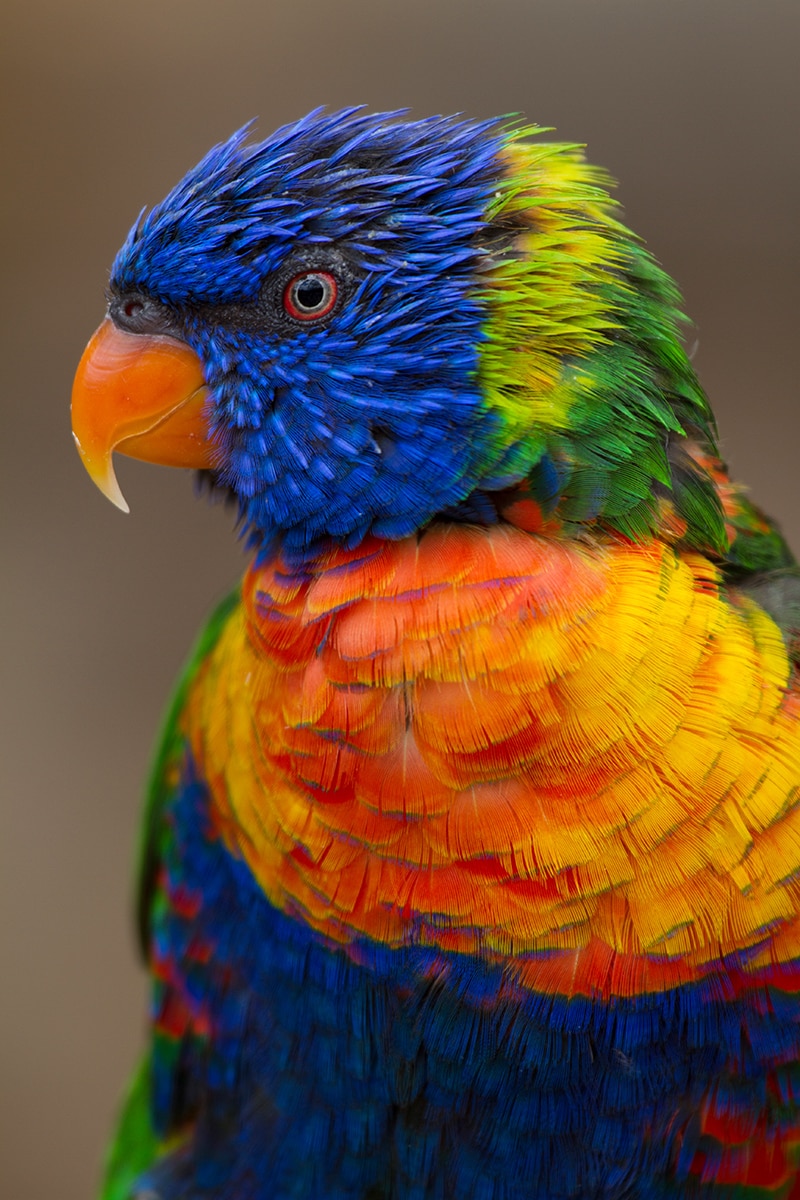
(119, 501)
(102, 474)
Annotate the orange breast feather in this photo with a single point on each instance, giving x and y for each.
(586, 756)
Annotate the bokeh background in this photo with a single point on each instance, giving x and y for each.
(692, 104)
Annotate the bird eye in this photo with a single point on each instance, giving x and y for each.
(310, 295)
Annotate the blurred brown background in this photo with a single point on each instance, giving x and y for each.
(694, 107)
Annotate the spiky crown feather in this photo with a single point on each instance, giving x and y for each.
(497, 331)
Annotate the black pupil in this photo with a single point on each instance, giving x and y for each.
(309, 293)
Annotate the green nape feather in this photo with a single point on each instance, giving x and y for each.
(582, 360)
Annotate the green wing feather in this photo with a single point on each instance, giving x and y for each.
(135, 1145)
(165, 764)
(760, 564)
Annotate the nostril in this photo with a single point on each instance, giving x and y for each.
(137, 313)
(132, 308)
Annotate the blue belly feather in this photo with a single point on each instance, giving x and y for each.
(396, 1074)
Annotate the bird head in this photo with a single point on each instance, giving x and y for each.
(365, 323)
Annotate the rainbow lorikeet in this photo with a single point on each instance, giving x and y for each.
(472, 853)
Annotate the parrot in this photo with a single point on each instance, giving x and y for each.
(471, 851)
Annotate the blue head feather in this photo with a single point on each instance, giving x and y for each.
(370, 420)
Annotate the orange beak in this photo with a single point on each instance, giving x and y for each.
(144, 396)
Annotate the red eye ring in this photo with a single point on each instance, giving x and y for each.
(310, 295)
